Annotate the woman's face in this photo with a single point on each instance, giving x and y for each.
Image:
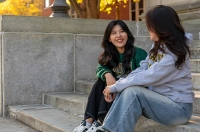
(153, 36)
(119, 38)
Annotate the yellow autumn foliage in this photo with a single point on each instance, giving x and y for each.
(21, 7)
(105, 5)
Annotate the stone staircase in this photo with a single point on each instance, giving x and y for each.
(62, 112)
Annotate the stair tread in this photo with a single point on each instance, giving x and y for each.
(195, 59)
(47, 116)
(87, 81)
(197, 93)
(195, 49)
(197, 74)
(148, 125)
(61, 121)
(72, 96)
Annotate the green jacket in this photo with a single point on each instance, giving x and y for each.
(118, 72)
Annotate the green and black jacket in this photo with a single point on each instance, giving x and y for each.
(118, 71)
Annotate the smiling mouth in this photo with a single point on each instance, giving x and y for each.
(119, 40)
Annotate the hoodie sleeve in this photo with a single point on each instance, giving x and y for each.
(149, 77)
(143, 67)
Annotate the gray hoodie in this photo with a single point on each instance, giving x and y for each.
(162, 77)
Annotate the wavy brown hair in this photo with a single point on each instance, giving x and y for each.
(110, 55)
(164, 22)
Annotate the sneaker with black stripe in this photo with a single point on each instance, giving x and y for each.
(100, 129)
(94, 126)
(82, 127)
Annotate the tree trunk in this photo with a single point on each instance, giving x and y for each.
(81, 12)
(87, 9)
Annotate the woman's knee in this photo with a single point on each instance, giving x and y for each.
(134, 90)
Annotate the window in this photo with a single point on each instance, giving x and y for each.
(133, 9)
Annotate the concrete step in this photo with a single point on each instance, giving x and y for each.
(194, 29)
(195, 53)
(196, 81)
(195, 65)
(192, 26)
(148, 125)
(195, 44)
(75, 103)
(84, 86)
(194, 21)
(10, 125)
(45, 118)
(70, 102)
(145, 43)
(196, 106)
(189, 28)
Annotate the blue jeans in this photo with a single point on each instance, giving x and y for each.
(136, 101)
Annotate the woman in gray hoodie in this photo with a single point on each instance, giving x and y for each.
(161, 88)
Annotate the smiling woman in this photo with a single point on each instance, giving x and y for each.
(118, 59)
(118, 37)
(161, 88)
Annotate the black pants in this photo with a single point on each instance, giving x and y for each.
(97, 107)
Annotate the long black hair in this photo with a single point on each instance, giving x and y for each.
(110, 55)
(165, 23)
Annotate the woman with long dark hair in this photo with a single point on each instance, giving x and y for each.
(118, 59)
(161, 88)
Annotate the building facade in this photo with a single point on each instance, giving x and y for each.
(126, 11)
(134, 10)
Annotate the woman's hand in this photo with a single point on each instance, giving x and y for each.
(110, 80)
(109, 97)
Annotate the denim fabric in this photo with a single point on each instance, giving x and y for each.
(136, 101)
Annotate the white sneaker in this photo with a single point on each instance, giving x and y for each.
(82, 127)
(100, 129)
(94, 126)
